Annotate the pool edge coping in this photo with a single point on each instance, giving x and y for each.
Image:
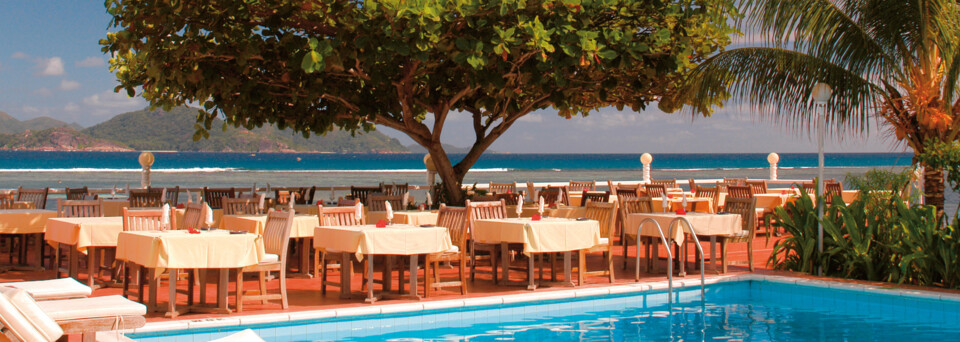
(186, 324)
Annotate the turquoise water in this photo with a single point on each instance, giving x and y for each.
(740, 311)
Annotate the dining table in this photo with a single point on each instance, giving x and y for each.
(301, 232)
(412, 217)
(173, 250)
(703, 224)
(26, 223)
(546, 235)
(83, 235)
(694, 204)
(563, 211)
(368, 241)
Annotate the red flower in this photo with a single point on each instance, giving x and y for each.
(382, 224)
(536, 217)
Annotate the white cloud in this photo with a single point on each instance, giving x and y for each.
(50, 66)
(19, 55)
(111, 103)
(30, 109)
(71, 107)
(531, 118)
(69, 85)
(43, 92)
(90, 62)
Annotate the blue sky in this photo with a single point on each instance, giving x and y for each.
(51, 65)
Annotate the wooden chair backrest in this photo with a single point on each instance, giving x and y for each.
(510, 199)
(758, 186)
(378, 202)
(637, 205)
(340, 216)
(7, 200)
(172, 196)
(551, 194)
(37, 196)
(214, 196)
(193, 216)
(502, 188)
(343, 202)
(241, 206)
(667, 183)
(576, 186)
(455, 220)
(809, 187)
(831, 190)
(145, 220)
(77, 193)
(394, 189)
(276, 233)
(739, 191)
(146, 198)
(627, 192)
(746, 208)
(596, 196)
(485, 210)
(656, 190)
(710, 192)
(79, 208)
(361, 193)
(605, 213)
(734, 181)
(693, 183)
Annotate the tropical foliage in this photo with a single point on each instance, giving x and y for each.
(893, 61)
(408, 64)
(877, 237)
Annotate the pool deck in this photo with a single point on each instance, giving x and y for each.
(306, 301)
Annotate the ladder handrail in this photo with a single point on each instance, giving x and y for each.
(669, 257)
(696, 240)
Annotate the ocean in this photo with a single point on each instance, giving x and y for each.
(198, 169)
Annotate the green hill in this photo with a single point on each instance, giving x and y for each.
(173, 131)
(11, 125)
(57, 139)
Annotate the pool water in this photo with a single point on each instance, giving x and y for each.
(736, 311)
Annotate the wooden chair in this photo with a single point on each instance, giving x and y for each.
(141, 220)
(334, 216)
(596, 196)
(77, 194)
(581, 186)
(301, 195)
(193, 215)
(712, 193)
(481, 211)
(146, 198)
(627, 192)
(241, 206)
(502, 188)
(693, 184)
(605, 213)
(75, 208)
(656, 190)
(551, 196)
(343, 202)
(667, 183)
(7, 200)
(509, 199)
(37, 196)
(455, 220)
(734, 181)
(361, 193)
(214, 197)
(632, 205)
(831, 190)
(758, 186)
(276, 239)
(172, 196)
(378, 202)
(739, 191)
(394, 189)
(746, 208)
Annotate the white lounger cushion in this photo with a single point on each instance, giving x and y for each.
(93, 307)
(243, 336)
(25, 318)
(53, 289)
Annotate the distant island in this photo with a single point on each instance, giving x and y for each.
(158, 130)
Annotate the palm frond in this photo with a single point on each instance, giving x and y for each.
(777, 84)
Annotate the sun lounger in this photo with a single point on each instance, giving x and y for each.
(62, 288)
(25, 319)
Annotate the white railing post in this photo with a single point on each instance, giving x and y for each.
(646, 159)
(773, 158)
(146, 161)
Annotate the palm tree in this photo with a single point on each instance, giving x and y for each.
(893, 61)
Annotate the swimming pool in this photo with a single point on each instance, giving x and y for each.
(747, 309)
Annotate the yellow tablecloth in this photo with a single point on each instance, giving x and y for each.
(84, 231)
(412, 217)
(563, 212)
(114, 206)
(302, 224)
(768, 202)
(305, 209)
(396, 239)
(178, 249)
(544, 236)
(704, 205)
(24, 221)
(704, 224)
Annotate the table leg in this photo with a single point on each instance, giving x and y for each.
(305, 244)
(683, 259)
(413, 275)
(172, 300)
(387, 273)
(91, 262)
(222, 288)
(567, 265)
(505, 262)
(153, 281)
(713, 251)
(73, 269)
(530, 279)
(346, 272)
(370, 298)
(202, 274)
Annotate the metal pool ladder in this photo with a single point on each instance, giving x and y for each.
(676, 223)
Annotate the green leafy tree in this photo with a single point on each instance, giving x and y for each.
(408, 64)
(895, 61)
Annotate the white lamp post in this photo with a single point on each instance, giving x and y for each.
(821, 94)
(773, 158)
(646, 159)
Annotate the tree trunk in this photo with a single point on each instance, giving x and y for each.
(452, 180)
(933, 188)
